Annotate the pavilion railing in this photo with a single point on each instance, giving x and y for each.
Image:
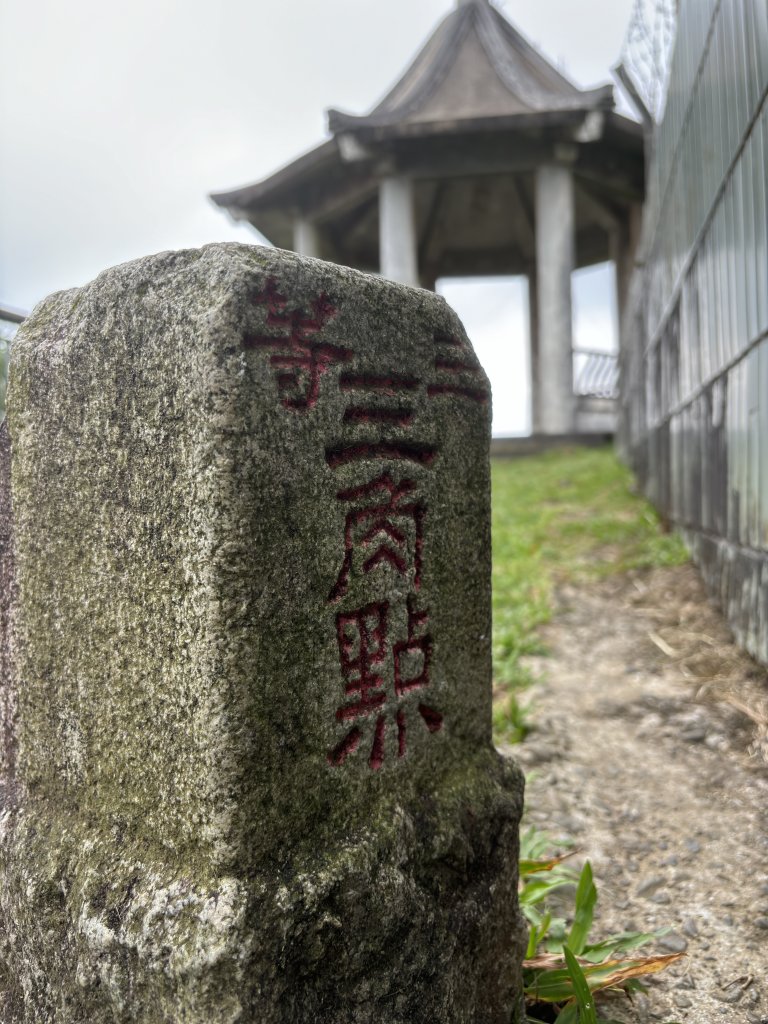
(595, 374)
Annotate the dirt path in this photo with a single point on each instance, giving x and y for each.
(639, 755)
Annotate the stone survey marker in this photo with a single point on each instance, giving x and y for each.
(253, 776)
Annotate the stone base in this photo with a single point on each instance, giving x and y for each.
(419, 944)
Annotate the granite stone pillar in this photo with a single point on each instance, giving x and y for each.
(251, 747)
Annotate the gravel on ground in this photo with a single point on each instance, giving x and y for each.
(649, 750)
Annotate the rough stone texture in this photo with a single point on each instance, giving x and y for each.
(7, 597)
(219, 457)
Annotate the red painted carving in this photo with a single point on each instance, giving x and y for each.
(363, 647)
(299, 358)
(422, 454)
(454, 365)
(348, 746)
(418, 649)
(376, 760)
(379, 529)
(479, 395)
(384, 526)
(388, 384)
(376, 414)
(432, 719)
(362, 639)
(400, 718)
(441, 338)
(460, 360)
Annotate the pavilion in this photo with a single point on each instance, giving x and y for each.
(483, 159)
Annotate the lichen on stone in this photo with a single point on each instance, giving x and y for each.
(250, 501)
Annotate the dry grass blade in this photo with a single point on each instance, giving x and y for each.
(549, 962)
(635, 968)
(663, 646)
(626, 969)
(530, 867)
(758, 717)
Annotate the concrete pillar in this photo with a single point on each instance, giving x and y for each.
(533, 351)
(555, 230)
(306, 240)
(398, 259)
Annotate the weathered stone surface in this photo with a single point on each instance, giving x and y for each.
(243, 482)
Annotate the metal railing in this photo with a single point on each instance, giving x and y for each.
(595, 374)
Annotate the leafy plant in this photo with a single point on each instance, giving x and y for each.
(564, 967)
(511, 720)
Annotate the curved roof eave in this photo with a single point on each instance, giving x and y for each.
(600, 99)
(289, 176)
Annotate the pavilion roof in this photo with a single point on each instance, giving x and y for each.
(468, 122)
(474, 66)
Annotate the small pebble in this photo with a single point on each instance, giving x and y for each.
(728, 920)
(693, 735)
(650, 885)
(662, 898)
(761, 922)
(673, 943)
(693, 845)
(686, 982)
(681, 1000)
(730, 995)
(690, 928)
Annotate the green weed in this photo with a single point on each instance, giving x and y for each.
(564, 516)
(565, 968)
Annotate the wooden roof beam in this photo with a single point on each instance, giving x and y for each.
(598, 209)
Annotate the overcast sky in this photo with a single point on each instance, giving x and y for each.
(117, 120)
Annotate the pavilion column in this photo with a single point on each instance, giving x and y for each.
(533, 350)
(398, 258)
(555, 229)
(306, 239)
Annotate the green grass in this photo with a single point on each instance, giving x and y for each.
(565, 516)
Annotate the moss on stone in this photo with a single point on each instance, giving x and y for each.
(184, 850)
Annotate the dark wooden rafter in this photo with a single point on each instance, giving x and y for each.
(429, 242)
(526, 216)
(600, 210)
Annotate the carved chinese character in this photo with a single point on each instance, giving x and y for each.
(413, 656)
(380, 528)
(458, 372)
(363, 640)
(299, 358)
